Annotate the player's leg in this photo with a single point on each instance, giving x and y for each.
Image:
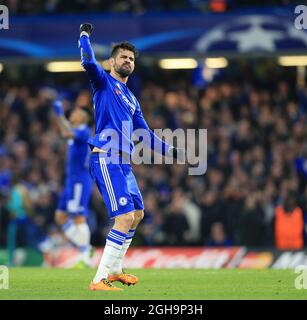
(81, 239)
(117, 273)
(77, 232)
(71, 216)
(114, 243)
(138, 216)
(113, 187)
(78, 211)
(62, 219)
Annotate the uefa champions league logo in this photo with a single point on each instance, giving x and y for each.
(4, 277)
(4, 17)
(255, 33)
(300, 21)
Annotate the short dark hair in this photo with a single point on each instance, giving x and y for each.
(125, 46)
(89, 114)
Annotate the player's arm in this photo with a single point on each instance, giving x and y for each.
(63, 124)
(88, 60)
(164, 148)
(66, 130)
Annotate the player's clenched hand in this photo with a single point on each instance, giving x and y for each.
(177, 153)
(57, 108)
(86, 27)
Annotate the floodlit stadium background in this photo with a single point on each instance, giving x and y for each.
(237, 70)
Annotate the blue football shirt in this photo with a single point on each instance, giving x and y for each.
(117, 111)
(77, 154)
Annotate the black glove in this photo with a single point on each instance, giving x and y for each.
(177, 153)
(86, 27)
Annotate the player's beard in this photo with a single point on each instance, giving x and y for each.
(123, 71)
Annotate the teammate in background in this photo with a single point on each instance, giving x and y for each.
(72, 210)
(115, 105)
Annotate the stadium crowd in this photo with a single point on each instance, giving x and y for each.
(136, 7)
(257, 154)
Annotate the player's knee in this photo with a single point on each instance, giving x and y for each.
(126, 220)
(60, 218)
(138, 215)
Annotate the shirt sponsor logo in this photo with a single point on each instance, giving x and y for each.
(131, 106)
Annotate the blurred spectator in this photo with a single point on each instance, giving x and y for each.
(211, 213)
(289, 224)
(20, 224)
(4, 218)
(176, 228)
(218, 236)
(252, 223)
(151, 232)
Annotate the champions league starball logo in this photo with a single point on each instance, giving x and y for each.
(253, 33)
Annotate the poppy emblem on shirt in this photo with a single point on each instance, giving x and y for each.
(117, 91)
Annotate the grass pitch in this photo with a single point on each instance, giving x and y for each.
(165, 284)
